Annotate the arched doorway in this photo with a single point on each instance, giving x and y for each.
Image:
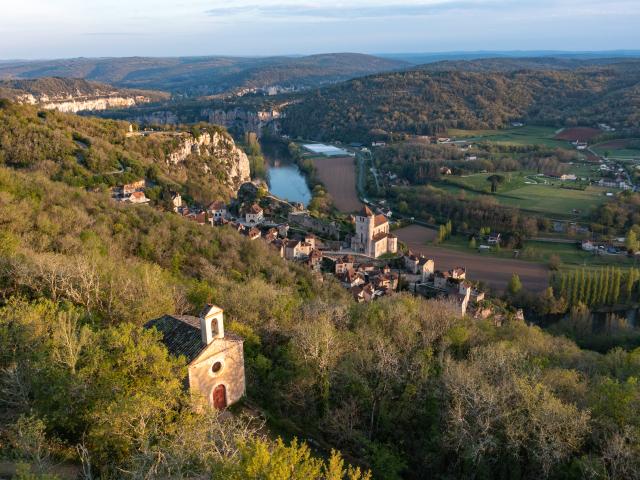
(220, 397)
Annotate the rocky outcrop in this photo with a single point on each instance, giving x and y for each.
(219, 146)
(75, 105)
(71, 95)
(240, 119)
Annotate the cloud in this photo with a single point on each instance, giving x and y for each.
(343, 11)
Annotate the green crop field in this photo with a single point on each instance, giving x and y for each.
(570, 254)
(527, 191)
(548, 199)
(528, 135)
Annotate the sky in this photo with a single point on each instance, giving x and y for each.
(32, 29)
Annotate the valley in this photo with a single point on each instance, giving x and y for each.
(322, 267)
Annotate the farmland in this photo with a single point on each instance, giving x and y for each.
(580, 134)
(570, 254)
(529, 135)
(619, 149)
(529, 192)
(495, 272)
(338, 174)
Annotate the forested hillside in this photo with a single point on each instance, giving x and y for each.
(425, 102)
(403, 385)
(192, 76)
(98, 154)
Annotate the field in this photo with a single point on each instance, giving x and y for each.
(495, 272)
(570, 254)
(529, 192)
(618, 150)
(580, 134)
(338, 174)
(528, 135)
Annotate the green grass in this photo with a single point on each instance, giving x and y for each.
(623, 154)
(548, 199)
(540, 252)
(551, 199)
(528, 135)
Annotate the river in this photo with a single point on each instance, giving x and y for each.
(283, 176)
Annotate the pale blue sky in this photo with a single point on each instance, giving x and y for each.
(71, 28)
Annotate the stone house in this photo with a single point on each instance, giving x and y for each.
(343, 264)
(138, 198)
(254, 233)
(217, 211)
(254, 214)
(176, 201)
(215, 359)
(292, 249)
(419, 264)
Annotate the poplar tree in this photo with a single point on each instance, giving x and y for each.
(574, 287)
(615, 287)
(581, 286)
(588, 288)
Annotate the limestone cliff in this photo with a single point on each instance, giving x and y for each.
(216, 149)
(241, 119)
(73, 95)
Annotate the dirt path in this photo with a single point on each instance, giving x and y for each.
(495, 272)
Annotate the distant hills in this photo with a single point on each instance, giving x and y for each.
(471, 94)
(195, 76)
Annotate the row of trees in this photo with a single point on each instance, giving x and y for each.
(599, 287)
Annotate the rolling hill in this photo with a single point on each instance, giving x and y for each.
(192, 76)
(471, 95)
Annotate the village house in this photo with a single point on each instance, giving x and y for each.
(254, 214)
(292, 249)
(217, 211)
(372, 235)
(271, 235)
(137, 198)
(351, 278)
(314, 260)
(215, 359)
(419, 264)
(176, 201)
(364, 293)
(343, 264)
(254, 233)
(130, 188)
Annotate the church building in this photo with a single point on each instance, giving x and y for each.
(372, 235)
(215, 359)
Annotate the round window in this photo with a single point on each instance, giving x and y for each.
(216, 367)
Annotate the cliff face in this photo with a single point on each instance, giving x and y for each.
(241, 119)
(81, 104)
(217, 147)
(74, 95)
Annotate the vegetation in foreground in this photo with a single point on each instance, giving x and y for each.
(403, 386)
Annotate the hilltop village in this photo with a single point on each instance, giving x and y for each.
(369, 263)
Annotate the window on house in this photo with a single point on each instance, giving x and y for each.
(216, 367)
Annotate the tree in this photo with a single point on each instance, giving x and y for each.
(495, 180)
(472, 243)
(631, 241)
(554, 262)
(515, 285)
